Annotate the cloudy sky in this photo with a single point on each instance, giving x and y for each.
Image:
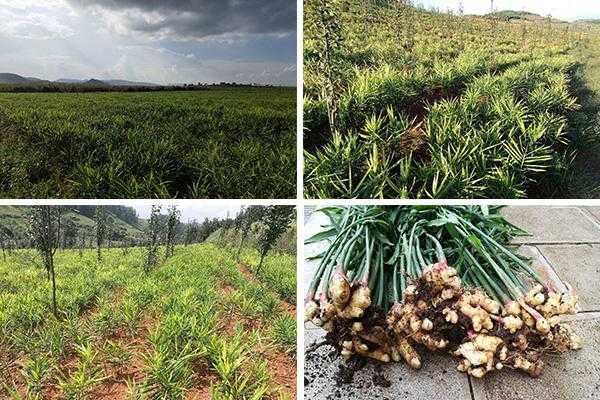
(565, 10)
(196, 212)
(160, 41)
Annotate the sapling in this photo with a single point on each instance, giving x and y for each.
(45, 232)
(100, 223)
(172, 223)
(152, 239)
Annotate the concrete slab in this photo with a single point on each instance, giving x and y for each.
(542, 266)
(553, 225)
(594, 212)
(578, 266)
(438, 379)
(574, 375)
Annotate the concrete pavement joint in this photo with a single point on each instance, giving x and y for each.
(471, 387)
(591, 217)
(582, 316)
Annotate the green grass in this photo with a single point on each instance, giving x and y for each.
(278, 271)
(156, 335)
(148, 145)
(430, 105)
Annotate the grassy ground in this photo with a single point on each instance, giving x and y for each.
(147, 145)
(197, 327)
(402, 102)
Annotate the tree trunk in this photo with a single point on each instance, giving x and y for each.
(99, 252)
(54, 308)
(47, 264)
(239, 252)
(260, 264)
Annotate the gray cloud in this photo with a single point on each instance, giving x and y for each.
(198, 19)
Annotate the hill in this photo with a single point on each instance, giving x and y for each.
(14, 219)
(94, 82)
(509, 15)
(589, 21)
(7, 77)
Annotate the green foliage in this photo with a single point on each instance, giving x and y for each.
(153, 231)
(438, 106)
(167, 324)
(276, 220)
(45, 230)
(172, 222)
(150, 144)
(278, 272)
(284, 332)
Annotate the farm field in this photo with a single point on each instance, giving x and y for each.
(149, 144)
(401, 102)
(198, 326)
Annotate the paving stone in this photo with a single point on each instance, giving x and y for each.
(574, 375)
(438, 379)
(594, 212)
(553, 224)
(578, 266)
(542, 266)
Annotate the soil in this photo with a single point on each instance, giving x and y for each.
(345, 373)
(282, 368)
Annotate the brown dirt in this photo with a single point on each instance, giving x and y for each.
(201, 390)
(282, 368)
(226, 289)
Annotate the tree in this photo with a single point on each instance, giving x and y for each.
(329, 44)
(80, 241)
(172, 222)
(492, 6)
(461, 8)
(45, 231)
(191, 232)
(277, 219)
(100, 219)
(244, 221)
(69, 233)
(6, 235)
(152, 234)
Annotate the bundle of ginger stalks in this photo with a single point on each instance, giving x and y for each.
(440, 277)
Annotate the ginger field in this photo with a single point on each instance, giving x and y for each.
(401, 102)
(149, 144)
(198, 326)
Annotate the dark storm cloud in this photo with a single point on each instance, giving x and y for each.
(198, 19)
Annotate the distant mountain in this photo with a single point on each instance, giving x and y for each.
(519, 15)
(69, 81)
(589, 21)
(9, 78)
(6, 77)
(112, 82)
(94, 82)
